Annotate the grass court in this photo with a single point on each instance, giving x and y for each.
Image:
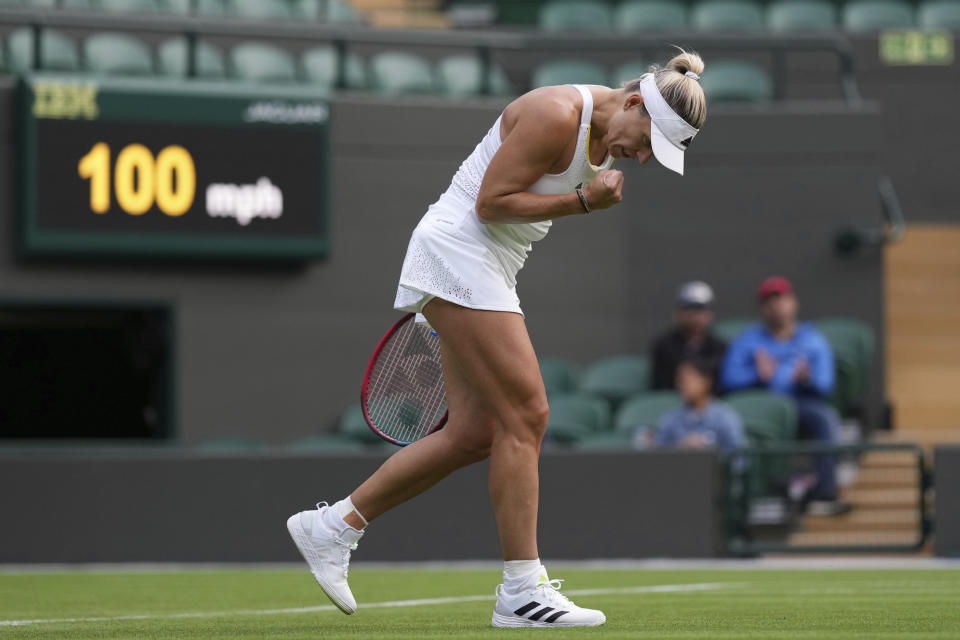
(444, 603)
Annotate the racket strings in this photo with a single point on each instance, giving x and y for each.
(406, 396)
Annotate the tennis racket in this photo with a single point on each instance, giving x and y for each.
(403, 396)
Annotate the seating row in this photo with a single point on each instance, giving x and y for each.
(618, 377)
(634, 16)
(119, 54)
(291, 10)
(388, 72)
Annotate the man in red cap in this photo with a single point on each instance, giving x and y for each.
(792, 358)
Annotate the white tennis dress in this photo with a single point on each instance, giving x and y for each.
(454, 256)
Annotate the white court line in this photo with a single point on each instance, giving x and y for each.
(657, 588)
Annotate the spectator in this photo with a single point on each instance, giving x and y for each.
(791, 358)
(702, 422)
(690, 337)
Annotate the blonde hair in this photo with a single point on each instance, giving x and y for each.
(682, 92)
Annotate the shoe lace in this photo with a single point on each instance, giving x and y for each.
(551, 590)
(345, 548)
(345, 558)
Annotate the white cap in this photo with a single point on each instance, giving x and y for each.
(694, 294)
(670, 135)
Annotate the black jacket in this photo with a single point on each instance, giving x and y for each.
(670, 349)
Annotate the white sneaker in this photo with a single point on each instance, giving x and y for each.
(542, 606)
(327, 552)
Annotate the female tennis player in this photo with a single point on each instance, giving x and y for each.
(547, 156)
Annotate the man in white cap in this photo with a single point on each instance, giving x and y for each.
(689, 338)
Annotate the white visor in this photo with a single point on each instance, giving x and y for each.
(670, 135)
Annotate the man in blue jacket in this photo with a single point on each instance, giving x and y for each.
(792, 358)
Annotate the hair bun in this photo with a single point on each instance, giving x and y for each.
(686, 61)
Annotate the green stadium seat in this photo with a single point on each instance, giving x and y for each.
(939, 14)
(768, 418)
(801, 15)
(57, 52)
(132, 6)
(854, 344)
(325, 443)
(727, 15)
(645, 411)
(461, 76)
(232, 445)
(198, 7)
(265, 9)
(319, 66)
(568, 72)
(117, 54)
(627, 71)
(354, 426)
(574, 417)
(172, 59)
(4, 68)
(575, 15)
(518, 12)
(559, 376)
(729, 328)
(862, 16)
(634, 16)
(396, 72)
(735, 81)
(260, 62)
(336, 11)
(617, 377)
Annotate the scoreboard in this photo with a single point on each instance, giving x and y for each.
(167, 168)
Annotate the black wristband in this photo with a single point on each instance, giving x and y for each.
(583, 200)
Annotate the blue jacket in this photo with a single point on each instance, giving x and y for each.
(740, 371)
(717, 422)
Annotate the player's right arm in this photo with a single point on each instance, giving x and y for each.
(543, 125)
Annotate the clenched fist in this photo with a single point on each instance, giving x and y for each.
(604, 190)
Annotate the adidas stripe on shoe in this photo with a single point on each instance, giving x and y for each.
(542, 606)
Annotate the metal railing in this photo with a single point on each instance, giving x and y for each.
(885, 485)
(487, 44)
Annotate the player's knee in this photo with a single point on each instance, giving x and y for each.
(475, 444)
(534, 414)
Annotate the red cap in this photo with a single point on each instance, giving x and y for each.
(774, 285)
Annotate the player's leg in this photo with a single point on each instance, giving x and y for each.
(465, 438)
(494, 352)
(497, 403)
(326, 535)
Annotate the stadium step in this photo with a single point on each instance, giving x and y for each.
(881, 477)
(865, 519)
(853, 538)
(421, 14)
(888, 459)
(404, 19)
(406, 5)
(884, 498)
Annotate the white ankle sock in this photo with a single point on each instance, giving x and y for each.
(344, 507)
(520, 574)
